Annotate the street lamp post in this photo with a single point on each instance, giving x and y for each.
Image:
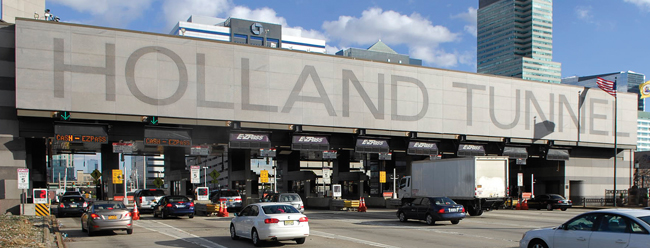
(205, 175)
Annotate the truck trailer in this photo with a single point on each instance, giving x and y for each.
(478, 183)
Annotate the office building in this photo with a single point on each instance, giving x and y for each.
(626, 81)
(379, 52)
(154, 167)
(247, 32)
(643, 132)
(515, 39)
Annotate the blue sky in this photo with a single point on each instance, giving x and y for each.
(589, 36)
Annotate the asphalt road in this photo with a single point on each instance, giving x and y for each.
(375, 228)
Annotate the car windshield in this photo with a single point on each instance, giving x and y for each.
(178, 199)
(289, 198)
(153, 193)
(229, 193)
(72, 199)
(646, 219)
(443, 201)
(279, 209)
(556, 197)
(109, 206)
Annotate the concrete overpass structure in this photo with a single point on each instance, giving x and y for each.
(238, 99)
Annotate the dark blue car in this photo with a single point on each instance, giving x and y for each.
(431, 209)
(174, 205)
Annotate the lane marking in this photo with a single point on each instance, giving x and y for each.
(355, 240)
(188, 237)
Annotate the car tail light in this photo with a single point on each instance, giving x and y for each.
(128, 214)
(303, 219)
(237, 199)
(62, 206)
(224, 199)
(475, 193)
(302, 207)
(169, 205)
(85, 204)
(441, 211)
(140, 199)
(569, 201)
(94, 216)
(462, 209)
(271, 221)
(191, 204)
(559, 201)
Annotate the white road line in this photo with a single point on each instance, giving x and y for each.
(360, 241)
(177, 233)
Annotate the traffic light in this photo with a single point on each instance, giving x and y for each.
(151, 120)
(61, 115)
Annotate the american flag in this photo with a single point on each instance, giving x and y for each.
(607, 86)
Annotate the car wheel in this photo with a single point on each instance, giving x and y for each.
(549, 207)
(563, 209)
(429, 220)
(402, 217)
(154, 214)
(191, 216)
(300, 241)
(256, 238)
(129, 231)
(164, 215)
(233, 234)
(537, 244)
(455, 222)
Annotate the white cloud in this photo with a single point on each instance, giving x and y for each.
(583, 12)
(179, 10)
(643, 4)
(470, 18)
(113, 13)
(269, 15)
(417, 33)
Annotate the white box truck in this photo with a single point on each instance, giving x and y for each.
(478, 183)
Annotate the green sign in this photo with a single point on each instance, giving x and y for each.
(151, 120)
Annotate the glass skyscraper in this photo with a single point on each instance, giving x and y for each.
(515, 39)
(626, 81)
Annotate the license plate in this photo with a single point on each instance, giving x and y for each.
(180, 206)
(112, 217)
(73, 205)
(288, 222)
(453, 210)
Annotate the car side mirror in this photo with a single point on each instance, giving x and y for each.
(562, 227)
(236, 214)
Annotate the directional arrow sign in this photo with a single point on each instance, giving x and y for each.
(154, 120)
(65, 115)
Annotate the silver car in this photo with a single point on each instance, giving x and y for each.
(290, 198)
(146, 199)
(106, 215)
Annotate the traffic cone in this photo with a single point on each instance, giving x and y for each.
(362, 205)
(225, 211)
(524, 206)
(220, 213)
(518, 207)
(136, 213)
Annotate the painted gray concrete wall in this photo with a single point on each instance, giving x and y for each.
(12, 147)
(597, 175)
(22, 8)
(90, 69)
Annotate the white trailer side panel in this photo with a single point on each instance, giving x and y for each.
(453, 178)
(491, 176)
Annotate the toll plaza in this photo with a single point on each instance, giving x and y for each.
(311, 120)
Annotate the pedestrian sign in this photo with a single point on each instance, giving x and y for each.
(117, 176)
(264, 176)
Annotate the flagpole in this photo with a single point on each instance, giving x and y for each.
(615, 138)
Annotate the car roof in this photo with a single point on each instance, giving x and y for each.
(106, 202)
(71, 196)
(269, 203)
(624, 211)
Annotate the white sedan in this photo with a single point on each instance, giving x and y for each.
(270, 221)
(610, 228)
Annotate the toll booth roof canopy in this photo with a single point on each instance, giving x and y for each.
(515, 152)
